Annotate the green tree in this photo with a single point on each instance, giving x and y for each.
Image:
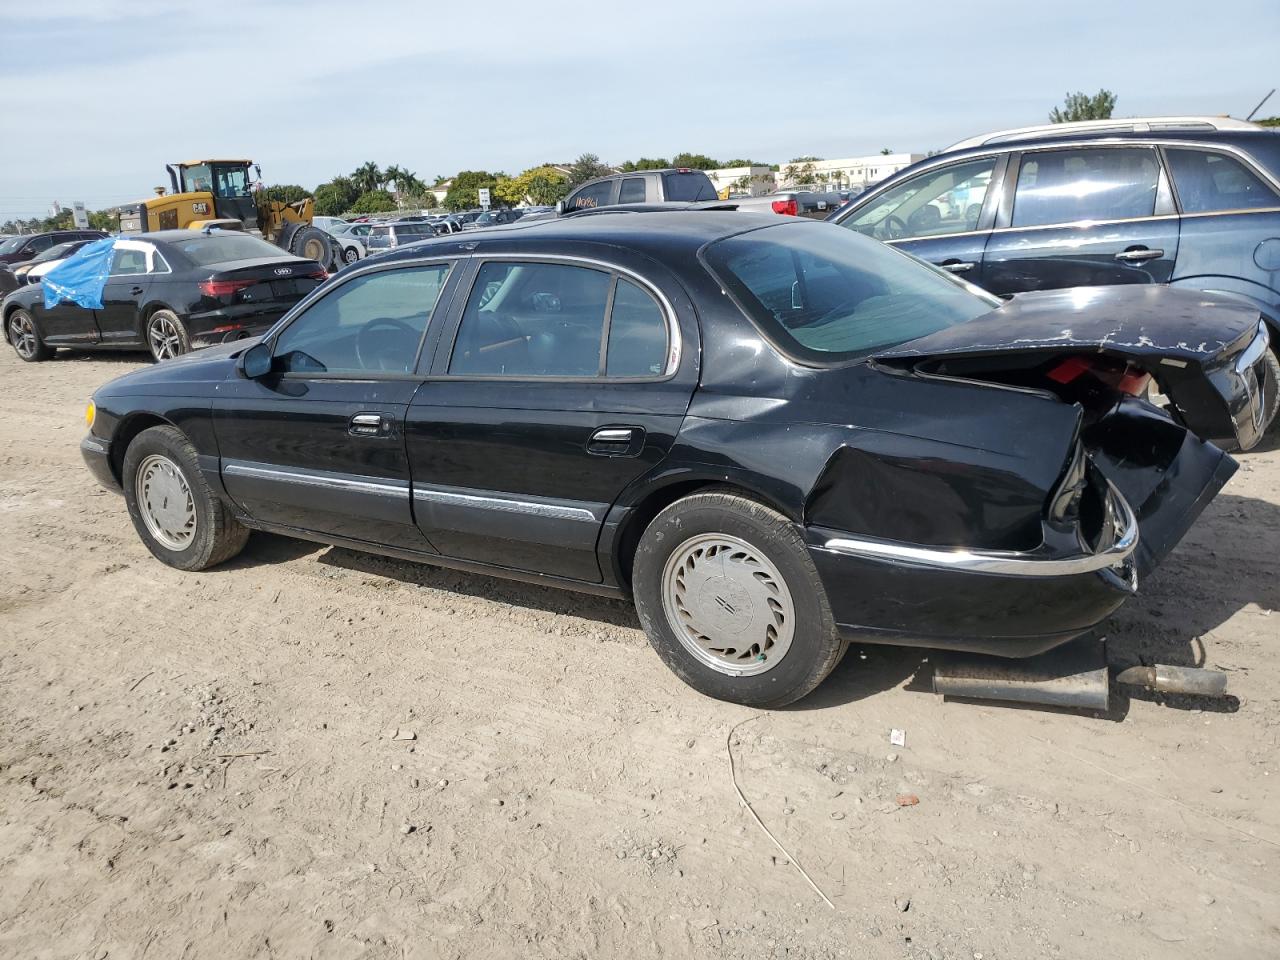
(286, 193)
(1081, 106)
(374, 201)
(368, 177)
(464, 192)
(406, 181)
(336, 196)
(587, 167)
(744, 163)
(805, 159)
(886, 151)
(1268, 122)
(695, 161)
(107, 220)
(543, 185)
(645, 163)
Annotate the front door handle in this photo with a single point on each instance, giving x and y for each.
(957, 266)
(616, 441)
(1139, 254)
(369, 425)
(135, 291)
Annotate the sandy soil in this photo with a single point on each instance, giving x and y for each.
(207, 765)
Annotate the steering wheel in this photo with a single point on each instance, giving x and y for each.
(373, 343)
(894, 227)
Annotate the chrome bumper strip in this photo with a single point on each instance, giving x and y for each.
(1005, 562)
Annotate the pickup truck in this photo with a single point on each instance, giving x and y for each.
(672, 185)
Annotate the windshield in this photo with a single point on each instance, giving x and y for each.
(821, 293)
(223, 248)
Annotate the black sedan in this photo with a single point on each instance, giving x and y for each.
(775, 435)
(169, 292)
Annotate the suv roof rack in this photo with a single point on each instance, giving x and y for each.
(1123, 125)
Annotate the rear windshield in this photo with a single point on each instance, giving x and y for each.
(825, 294)
(206, 251)
(694, 185)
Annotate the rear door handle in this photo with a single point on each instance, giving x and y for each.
(956, 266)
(616, 441)
(136, 291)
(1139, 254)
(369, 425)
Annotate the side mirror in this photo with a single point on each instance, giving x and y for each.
(256, 361)
(559, 207)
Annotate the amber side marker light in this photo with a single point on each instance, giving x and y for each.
(89, 412)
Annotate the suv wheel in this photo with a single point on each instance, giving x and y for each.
(731, 601)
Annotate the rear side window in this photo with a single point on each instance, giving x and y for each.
(224, 248)
(126, 262)
(694, 185)
(556, 320)
(372, 324)
(1067, 186)
(1210, 182)
(594, 195)
(632, 190)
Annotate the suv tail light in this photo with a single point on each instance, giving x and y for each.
(224, 288)
(788, 208)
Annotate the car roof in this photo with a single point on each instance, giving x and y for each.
(657, 233)
(1120, 126)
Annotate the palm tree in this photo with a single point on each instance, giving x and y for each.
(406, 181)
(368, 176)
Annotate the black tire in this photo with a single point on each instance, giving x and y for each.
(24, 335)
(313, 244)
(815, 646)
(1272, 392)
(216, 537)
(166, 335)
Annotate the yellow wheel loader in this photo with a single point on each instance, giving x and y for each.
(223, 194)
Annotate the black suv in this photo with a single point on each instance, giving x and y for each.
(1192, 202)
(19, 249)
(674, 184)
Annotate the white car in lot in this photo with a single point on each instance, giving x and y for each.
(351, 246)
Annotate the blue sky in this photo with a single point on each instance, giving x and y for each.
(99, 94)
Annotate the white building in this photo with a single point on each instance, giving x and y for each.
(754, 181)
(847, 172)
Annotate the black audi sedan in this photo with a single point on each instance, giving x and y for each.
(775, 435)
(168, 292)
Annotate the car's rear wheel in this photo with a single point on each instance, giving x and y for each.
(350, 255)
(26, 338)
(166, 335)
(731, 601)
(178, 517)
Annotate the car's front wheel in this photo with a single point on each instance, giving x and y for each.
(731, 601)
(350, 255)
(26, 338)
(166, 336)
(178, 517)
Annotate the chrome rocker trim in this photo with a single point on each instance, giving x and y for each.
(1010, 563)
(324, 480)
(528, 507)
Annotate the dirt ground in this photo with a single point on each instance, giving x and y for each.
(316, 753)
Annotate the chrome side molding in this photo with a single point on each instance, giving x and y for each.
(1006, 562)
(529, 507)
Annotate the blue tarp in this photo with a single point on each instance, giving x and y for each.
(81, 277)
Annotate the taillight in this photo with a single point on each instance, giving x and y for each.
(319, 275)
(1121, 377)
(788, 208)
(224, 288)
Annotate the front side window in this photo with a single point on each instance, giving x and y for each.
(827, 295)
(371, 324)
(558, 320)
(631, 190)
(591, 196)
(1212, 182)
(1090, 183)
(231, 182)
(938, 202)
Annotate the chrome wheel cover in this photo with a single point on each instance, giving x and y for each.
(350, 255)
(728, 605)
(164, 500)
(164, 337)
(23, 335)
